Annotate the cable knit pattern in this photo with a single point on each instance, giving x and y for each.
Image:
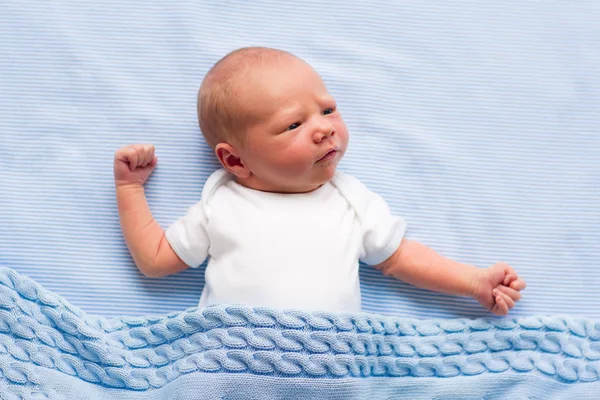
(40, 329)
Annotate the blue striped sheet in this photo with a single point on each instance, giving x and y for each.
(478, 122)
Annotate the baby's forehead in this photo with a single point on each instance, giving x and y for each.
(240, 76)
(247, 61)
(253, 85)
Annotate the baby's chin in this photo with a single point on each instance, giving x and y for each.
(326, 174)
(312, 179)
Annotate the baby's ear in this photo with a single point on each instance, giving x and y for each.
(229, 157)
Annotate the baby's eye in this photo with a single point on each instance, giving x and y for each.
(293, 126)
(328, 111)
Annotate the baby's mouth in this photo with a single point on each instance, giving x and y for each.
(329, 155)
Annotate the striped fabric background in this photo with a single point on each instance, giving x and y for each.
(479, 122)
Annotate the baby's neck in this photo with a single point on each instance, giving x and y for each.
(257, 184)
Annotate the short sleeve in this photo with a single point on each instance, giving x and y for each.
(382, 232)
(188, 236)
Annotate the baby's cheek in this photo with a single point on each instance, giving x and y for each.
(299, 154)
(342, 131)
(282, 161)
(299, 163)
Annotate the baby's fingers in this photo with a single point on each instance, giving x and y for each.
(519, 284)
(132, 159)
(500, 308)
(140, 155)
(126, 155)
(510, 303)
(145, 155)
(512, 293)
(510, 277)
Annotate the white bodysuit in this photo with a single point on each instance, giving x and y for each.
(298, 251)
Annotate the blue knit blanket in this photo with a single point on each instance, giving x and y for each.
(476, 121)
(52, 350)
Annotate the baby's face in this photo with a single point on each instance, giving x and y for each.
(299, 136)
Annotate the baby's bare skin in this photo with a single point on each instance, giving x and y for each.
(294, 148)
(145, 238)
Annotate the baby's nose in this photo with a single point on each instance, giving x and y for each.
(323, 131)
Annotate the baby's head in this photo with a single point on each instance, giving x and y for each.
(272, 123)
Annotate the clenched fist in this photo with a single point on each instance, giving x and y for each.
(134, 164)
(499, 288)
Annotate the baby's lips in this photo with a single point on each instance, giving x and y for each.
(335, 149)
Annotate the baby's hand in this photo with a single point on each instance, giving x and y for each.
(134, 164)
(499, 288)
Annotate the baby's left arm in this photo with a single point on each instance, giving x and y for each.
(496, 288)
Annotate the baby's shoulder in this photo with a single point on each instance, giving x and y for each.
(353, 190)
(349, 184)
(216, 180)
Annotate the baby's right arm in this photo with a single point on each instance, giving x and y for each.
(145, 238)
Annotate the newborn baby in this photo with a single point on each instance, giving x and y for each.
(280, 225)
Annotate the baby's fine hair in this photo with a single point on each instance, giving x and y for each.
(221, 114)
